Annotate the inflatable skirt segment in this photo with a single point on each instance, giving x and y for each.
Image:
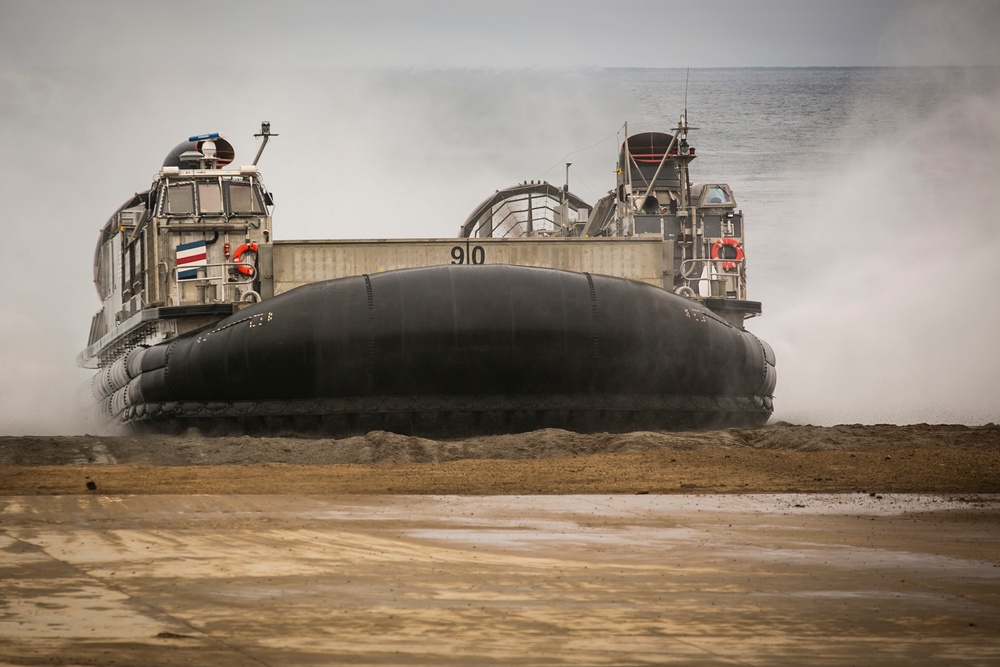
(455, 350)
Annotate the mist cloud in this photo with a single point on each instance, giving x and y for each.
(891, 316)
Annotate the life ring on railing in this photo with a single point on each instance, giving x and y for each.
(732, 243)
(245, 269)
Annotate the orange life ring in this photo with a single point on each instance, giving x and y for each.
(245, 269)
(732, 243)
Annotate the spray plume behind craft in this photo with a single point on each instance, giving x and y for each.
(892, 314)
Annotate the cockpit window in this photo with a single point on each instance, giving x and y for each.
(215, 198)
(243, 200)
(210, 198)
(715, 194)
(179, 199)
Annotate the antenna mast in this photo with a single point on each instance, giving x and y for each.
(265, 131)
(687, 77)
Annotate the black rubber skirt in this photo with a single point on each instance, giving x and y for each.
(457, 350)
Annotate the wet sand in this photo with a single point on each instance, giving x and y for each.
(506, 580)
(882, 547)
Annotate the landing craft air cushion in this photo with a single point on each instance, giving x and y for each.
(543, 312)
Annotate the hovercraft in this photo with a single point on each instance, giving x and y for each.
(544, 312)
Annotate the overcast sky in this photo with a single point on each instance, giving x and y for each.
(508, 34)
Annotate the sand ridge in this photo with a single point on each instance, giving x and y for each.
(918, 458)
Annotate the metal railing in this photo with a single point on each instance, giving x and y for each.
(718, 275)
(227, 283)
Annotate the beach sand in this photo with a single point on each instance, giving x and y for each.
(786, 545)
(780, 458)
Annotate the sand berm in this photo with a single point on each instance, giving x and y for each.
(874, 459)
